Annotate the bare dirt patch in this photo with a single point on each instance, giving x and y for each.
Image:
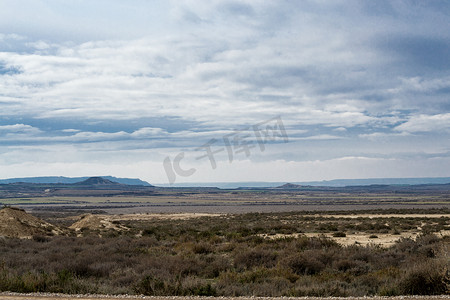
(112, 222)
(96, 222)
(381, 239)
(17, 223)
(374, 216)
(106, 221)
(179, 216)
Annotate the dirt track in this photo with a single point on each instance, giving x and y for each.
(14, 296)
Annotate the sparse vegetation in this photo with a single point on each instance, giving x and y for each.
(229, 256)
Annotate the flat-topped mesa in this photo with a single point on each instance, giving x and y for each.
(97, 181)
(290, 186)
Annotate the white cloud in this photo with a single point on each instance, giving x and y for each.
(142, 80)
(424, 123)
(18, 131)
(18, 128)
(423, 85)
(382, 135)
(318, 137)
(175, 74)
(11, 36)
(39, 45)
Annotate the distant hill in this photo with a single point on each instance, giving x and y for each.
(71, 180)
(329, 183)
(92, 186)
(290, 186)
(234, 185)
(379, 181)
(369, 188)
(95, 181)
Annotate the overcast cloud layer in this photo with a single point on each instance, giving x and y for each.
(116, 87)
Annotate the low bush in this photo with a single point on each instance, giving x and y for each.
(227, 257)
(426, 279)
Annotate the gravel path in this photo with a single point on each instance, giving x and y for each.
(46, 296)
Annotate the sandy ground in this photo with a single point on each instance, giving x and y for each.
(180, 216)
(373, 216)
(384, 240)
(143, 217)
(108, 222)
(250, 208)
(185, 216)
(6, 296)
(19, 224)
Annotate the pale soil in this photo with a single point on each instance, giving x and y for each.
(100, 222)
(144, 217)
(373, 216)
(13, 296)
(185, 216)
(19, 224)
(180, 216)
(95, 222)
(213, 208)
(383, 240)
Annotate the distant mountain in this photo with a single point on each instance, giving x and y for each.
(329, 183)
(234, 185)
(368, 188)
(290, 186)
(223, 185)
(95, 181)
(71, 180)
(91, 186)
(378, 181)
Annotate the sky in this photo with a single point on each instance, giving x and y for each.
(225, 91)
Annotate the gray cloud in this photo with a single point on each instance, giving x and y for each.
(418, 54)
(171, 75)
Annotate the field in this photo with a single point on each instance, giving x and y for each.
(208, 242)
(234, 201)
(353, 253)
(99, 195)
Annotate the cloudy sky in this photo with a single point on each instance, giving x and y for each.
(361, 88)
